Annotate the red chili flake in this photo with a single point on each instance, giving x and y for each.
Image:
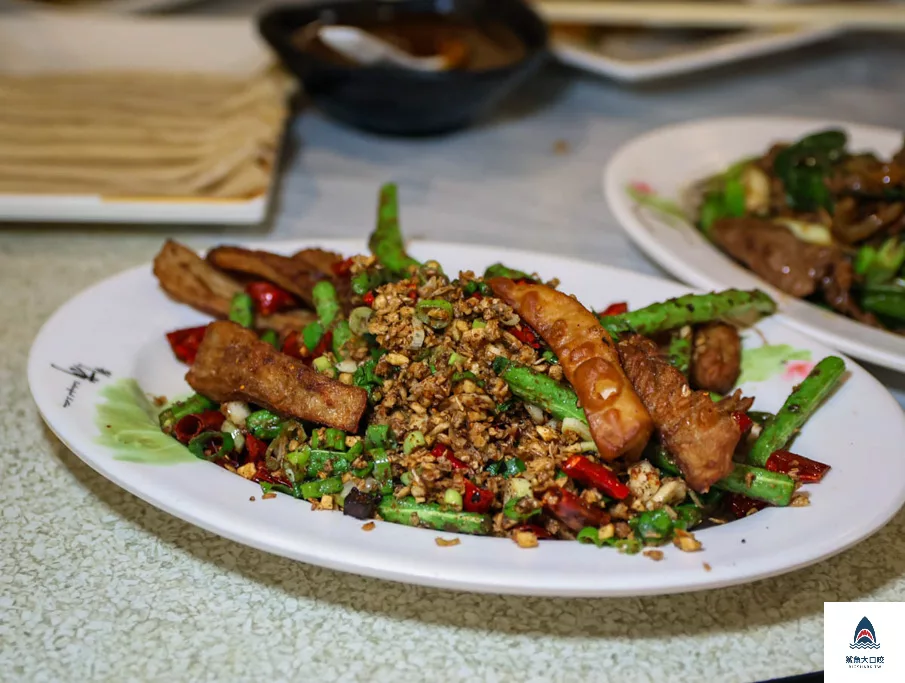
(476, 295)
(268, 298)
(191, 426)
(413, 291)
(741, 506)
(476, 499)
(743, 421)
(368, 299)
(539, 531)
(615, 309)
(255, 448)
(582, 470)
(185, 342)
(263, 474)
(526, 335)
(804, 469)
(342, 268)
(292, 345)
(441, 450)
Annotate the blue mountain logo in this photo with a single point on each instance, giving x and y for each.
(865, 636)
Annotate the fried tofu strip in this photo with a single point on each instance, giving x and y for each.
(297, 275)
(619, 422)
(700, 434)
(189, 279)
(234, 365)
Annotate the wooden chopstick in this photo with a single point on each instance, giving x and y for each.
(876, 16)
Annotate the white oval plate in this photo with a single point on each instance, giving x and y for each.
(119, 324)
(669, 159)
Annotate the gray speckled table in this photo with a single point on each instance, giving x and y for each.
(95, 584)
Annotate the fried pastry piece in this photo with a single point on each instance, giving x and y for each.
(700, 434)
(619, 422)
(189, 279)
(234, 365)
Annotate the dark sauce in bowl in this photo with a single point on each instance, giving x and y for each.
(467, 45)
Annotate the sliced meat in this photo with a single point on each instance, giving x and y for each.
(234, 365)
(855, 221)
(775, 254)
(700, 434)
(716, 357)
(618, 421)
(295, 276)
(787, 263)
(189, 279)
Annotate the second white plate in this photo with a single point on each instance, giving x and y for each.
(665, 161)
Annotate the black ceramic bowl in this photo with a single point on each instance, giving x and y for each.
(398, 101)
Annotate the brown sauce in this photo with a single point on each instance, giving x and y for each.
(468, 46)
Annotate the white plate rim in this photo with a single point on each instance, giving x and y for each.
(345, 561)
(622, 208)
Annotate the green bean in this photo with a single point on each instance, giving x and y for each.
(191, 406)
(540, 390)
(386, 240)
(383, 470)
(433, 516)
(377, 436)
(241, 310)
(802, 402)
(679, 352)
(334, 439)
(271, 337)
(754, 482)
(312, 334)
(499, 270)
(652, 526)
(326, 304)
(342, 335)
(264, 425)
(199, 445)
(412, 441)
(322, 461)
(690, 309)
(760, 417)
(758, 483)
(321, 487)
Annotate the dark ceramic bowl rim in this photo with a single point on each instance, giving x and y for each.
(270, 26)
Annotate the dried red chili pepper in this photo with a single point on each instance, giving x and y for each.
(292, 346)
(185, 342)
(526, 335)
(582, 470)
(368, 299)
(743, 421)
(476, 499)
(741, 506)
(441, 450)
(268, 298)
(191, 426)
(572, 511)
(255, 448)
(808, 471)
(615, 309)
(342, 268)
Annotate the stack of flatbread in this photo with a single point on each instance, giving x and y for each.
(141, 134)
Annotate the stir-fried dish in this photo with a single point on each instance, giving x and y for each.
(816, 221)
(489, 404)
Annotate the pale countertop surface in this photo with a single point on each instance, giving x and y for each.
(97, 585)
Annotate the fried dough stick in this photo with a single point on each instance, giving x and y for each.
(619, 422)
